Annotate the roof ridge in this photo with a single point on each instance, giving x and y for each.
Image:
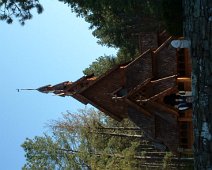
(137, 58)
(162, 45)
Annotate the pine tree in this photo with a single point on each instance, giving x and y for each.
(20, 9)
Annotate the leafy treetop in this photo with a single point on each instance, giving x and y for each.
(87, 140)
(20, 9)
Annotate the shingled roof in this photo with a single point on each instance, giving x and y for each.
(134, 90)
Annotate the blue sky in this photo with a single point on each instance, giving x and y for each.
(51, 48)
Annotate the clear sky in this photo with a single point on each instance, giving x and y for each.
(51, 48)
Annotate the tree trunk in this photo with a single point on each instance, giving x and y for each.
(120, 128)
(141, 137)
(198, 29)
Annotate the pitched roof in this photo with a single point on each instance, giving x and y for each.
(78, 95)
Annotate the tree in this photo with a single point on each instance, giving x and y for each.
(78, 142)
(90, 140)
(105, 63)
(172, 16)
(197, 29)
(20, 9)
(100, 66)
(116, 27)
(102, 148)
(49, 153)
(114, 22)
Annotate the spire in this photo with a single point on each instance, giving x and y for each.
(24, 89)
(43, 89)
(66, 88)
(58, 89)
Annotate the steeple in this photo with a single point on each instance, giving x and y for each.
(61, 89)
(45, 89)
(24, 89)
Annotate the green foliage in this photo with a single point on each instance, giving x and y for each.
(90, 140)
(100, 66)
(125, 55)
(20, 9)
(83, 141)
(49, 152)
(167, 161)
(172, 14)
(115, 22)
(105, 63)
(130, 163)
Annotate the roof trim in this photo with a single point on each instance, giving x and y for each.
(138, 58)
(114, 116)
(137, 107)
(164, 78)
(123, 66)
(169, 90)
(138, 87)
(162, 45)
(100, 78)
(167, 114)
